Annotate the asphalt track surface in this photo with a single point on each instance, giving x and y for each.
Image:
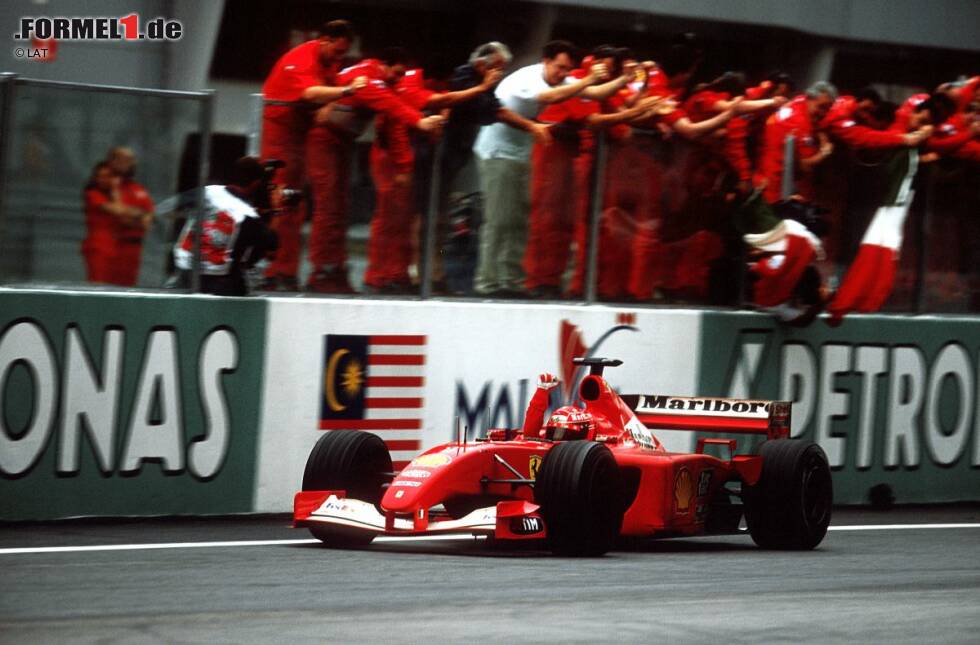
(236, 580)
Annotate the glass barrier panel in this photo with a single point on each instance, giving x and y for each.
(666, 233)
(55, 228)
(951, 238)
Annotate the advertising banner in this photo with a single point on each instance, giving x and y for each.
(892, 400)
(123, 404)
(411, 371)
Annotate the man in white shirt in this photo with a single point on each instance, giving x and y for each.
(503, 153)
(235, 235)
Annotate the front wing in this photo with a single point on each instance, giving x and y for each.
(509, 520)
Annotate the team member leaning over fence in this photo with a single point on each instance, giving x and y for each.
(504, 160)
(560, 170)
(952, 131)
(305, 77)
(390, 246)
(462, 128)
(800, 118)
(869, 280)
(631, 266)
(330, 156)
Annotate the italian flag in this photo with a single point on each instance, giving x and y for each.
(869, 280)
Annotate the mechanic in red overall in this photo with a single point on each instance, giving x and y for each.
(731, 144)
(118, 211)
(851, 120)
(631, 206)
(869, 279)
(966, 94)
(800, 118)
(627, 171)
(390, 245)
(926, 112)
(678, 254)
(555, 184)
(330, 153)
(103, 210)
(642, 265)
(129, 250)
(948, 138)
(305, 76)
(633, 267)
(629, 231)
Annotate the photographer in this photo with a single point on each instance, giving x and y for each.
(235, 229)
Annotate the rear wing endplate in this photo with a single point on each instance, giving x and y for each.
(711, 414)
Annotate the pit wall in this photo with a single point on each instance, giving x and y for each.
(122, 404)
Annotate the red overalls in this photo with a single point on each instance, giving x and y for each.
(285, 130)
(390, 246)
(330, 153)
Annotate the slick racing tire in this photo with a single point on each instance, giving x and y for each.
(353, 461)
(789, 507)
(580, 491)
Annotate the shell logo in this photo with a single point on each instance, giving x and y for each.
(683, 490)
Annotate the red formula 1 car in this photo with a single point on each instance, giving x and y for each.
(580, 494)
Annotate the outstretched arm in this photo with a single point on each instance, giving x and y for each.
(539, 131)
(323, 94)
(534, 417)
(449, 99)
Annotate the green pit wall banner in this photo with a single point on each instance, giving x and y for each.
(892, 400)
(128, 404)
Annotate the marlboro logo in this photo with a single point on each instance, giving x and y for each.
(702, 405)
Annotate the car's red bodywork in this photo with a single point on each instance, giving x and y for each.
(487, 487)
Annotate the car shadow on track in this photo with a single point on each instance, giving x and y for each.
(689, 545)
(482, 548)
(471, 547)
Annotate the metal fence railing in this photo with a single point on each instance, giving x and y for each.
(640, 219)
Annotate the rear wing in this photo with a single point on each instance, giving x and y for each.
(710, 414)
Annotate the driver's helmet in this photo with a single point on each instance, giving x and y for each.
(569, 423)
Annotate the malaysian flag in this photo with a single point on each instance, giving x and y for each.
(375, 383)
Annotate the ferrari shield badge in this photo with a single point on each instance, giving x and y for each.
(534, 466)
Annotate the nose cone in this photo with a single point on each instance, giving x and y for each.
(414, 487)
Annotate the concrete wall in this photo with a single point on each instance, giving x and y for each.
(953, 24)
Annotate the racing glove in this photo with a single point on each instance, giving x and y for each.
(547, 381)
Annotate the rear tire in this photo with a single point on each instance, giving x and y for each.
(790, 506)
(353, 461)
(580, 490)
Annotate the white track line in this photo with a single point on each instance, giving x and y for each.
(387, 538)
(902, 527)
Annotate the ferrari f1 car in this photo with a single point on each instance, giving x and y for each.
(579, 495)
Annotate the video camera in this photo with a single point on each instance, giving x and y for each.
(268, 199)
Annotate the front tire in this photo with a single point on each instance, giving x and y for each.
(353, 461)
(790, 506)
(580, 490)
